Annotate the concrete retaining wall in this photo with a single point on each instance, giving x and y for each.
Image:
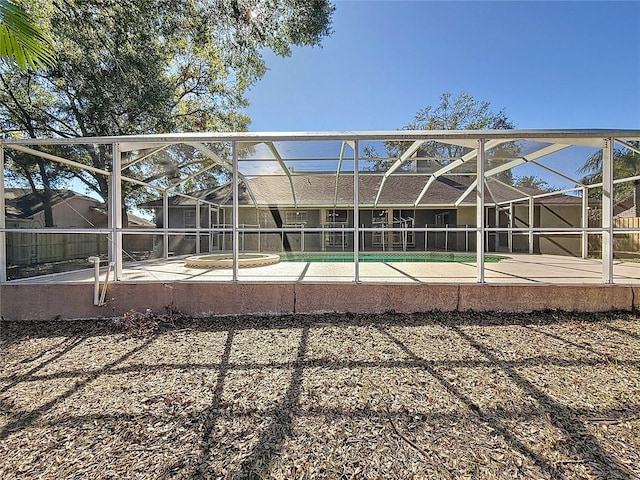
(45, 302)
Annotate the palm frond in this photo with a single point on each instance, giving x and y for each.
(21, 40)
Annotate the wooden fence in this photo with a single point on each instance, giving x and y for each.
(39, 248)
(627, 242)
(624, 244)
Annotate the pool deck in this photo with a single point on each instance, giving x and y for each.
(522, 282)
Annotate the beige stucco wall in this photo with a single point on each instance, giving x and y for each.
(467, 215)
(75, 301)
(561, 216)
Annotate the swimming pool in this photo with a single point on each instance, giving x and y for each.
(388, 257)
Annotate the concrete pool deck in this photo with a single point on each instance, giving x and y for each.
(522, 282)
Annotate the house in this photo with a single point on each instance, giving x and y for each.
(322, 201)
(25, 210)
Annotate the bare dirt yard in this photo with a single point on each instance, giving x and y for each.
(456, 395)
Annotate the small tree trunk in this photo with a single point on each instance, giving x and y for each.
(47, 206)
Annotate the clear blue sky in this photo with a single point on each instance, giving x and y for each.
(548, 64)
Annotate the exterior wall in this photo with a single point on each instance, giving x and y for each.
(520, 242)
(274, 242)
(561, 216)
(275, 218)
(206, 299)
(186, 244)
(75, 212)
(552, 216)
(467, 215)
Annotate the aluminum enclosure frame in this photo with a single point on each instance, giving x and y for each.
(478, 140)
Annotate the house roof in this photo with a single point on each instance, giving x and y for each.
(21, 203)
(319, 190)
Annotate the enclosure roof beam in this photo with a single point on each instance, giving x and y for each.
(627, 146)
(134, 146)
(399, 161)
(57, 159)
(466, 193)
(456, 163)
(512, 187)
(468, 157)
(343, 147)
(144, 157)
(555, 172)
(541, 195)
(559, 192)
(619, 180)
(404, 157)
(224, 164)
(190, 197)
(432, 179)
(593, 138)
(193, 175)
(531, 157)
(285, 169)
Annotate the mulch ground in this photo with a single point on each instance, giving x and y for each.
(434, 395)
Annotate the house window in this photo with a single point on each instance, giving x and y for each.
(295, 217)
(337, 216)
(189, 218)
(336, 219)
(380, 219)
(442, 218)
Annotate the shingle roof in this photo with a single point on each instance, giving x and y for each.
(320, 190)
(23, 203)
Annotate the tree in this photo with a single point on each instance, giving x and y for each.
(146, 66)
(460, 113)
(21, 40)
(531, 181)
(626, 163)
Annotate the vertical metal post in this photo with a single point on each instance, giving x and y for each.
(165, 224)
(466, 238)
(480, 214)
(236, 210)
(585, 222)
(3, 224)
(220, 242)
(198, 226)
(510, 233)
(210, 227)
(607, 211)
(496, 234)
(116, 216)
(532, 220)
(446, 237)
(356, 212)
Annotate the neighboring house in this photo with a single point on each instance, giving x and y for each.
(24, 209)
(324, 201)
(628, 207)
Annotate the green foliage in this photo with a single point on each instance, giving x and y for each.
(531, 181)
(626, 163)
(460, 113)
(148, 66)
(21, 40)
